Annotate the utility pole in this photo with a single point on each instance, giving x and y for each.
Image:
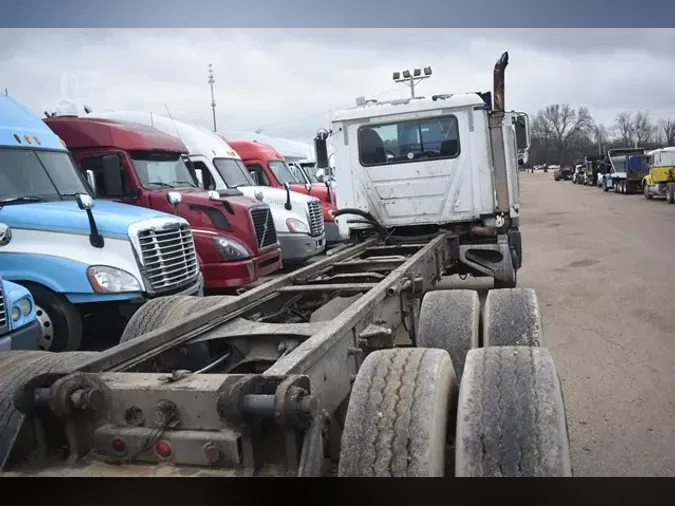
(411, 79)
(212, 82)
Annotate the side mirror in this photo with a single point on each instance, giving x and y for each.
(5, 234)
(320, 175)
(174, 198)
(200, 177)
(288, 205)
(522, 126)
(91, 180)
(84, 201)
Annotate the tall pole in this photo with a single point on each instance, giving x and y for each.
(212, 82)
(412, 78)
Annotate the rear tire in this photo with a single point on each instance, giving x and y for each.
(157, 313)
(512, 318)
(17, 367)
(59, 320)
(398, 414)
(511, 416)
(449, 320)
(670, 193)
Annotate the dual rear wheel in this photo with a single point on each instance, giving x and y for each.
(479, 382)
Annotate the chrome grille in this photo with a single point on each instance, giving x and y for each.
(4, 323)
(265, 231)
(169, 256)
(315, 217)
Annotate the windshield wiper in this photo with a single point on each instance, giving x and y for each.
(189, 183)
(159, 183)
(25, 198)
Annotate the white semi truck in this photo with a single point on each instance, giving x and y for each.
(402, 382)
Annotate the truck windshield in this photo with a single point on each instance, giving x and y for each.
(233, 171)
(28, 175)
(284, 173)
(162, 169)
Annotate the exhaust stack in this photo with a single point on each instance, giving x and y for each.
(498, 84)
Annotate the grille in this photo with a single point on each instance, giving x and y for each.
(169, 257)
(4, 324)
(265, 232)
(315, 217)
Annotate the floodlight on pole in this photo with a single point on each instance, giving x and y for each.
(411, 79)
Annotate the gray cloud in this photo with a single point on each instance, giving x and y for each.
(287, 81)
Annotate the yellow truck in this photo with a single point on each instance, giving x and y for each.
(660, 181)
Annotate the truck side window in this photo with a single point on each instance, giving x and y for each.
(209, 184)
(110, 182)
(260, 177)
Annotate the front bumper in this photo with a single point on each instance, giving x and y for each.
(237, 274)
(298, 247)
(24, 338)
(332, 231)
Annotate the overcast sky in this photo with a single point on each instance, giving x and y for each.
(287, 81)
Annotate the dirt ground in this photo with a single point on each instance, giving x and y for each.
(601, 266)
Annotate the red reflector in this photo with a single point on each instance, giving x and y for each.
(119, 446)
(162, 449)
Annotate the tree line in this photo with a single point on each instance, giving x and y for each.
(562, 134)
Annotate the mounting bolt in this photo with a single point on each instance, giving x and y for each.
(84, 398)
(352, 350)
(212, 453)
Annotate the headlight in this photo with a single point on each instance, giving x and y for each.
(16, 313)
(230, 249)
(106, 279)
(297, 226)
(25, 305)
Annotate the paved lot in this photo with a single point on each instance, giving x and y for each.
(601, 265)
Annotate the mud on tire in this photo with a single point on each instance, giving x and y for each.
(397, 419)
(511, 416)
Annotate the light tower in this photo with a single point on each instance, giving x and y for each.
(411, 79)
(212, 82)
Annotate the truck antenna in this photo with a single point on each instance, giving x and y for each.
(173, 121)
(212, 82)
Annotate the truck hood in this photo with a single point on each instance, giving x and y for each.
(236, 198)
(276, 197)
(112, 219)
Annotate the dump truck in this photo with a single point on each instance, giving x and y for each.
(401, 381)
(624, 170)
(660, 182)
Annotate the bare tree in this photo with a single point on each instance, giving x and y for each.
(668, 131)
(623, 128)
(643, 128)
(562, 127)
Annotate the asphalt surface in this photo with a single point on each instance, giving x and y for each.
(601, 266)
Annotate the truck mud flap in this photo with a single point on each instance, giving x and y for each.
(494, 260)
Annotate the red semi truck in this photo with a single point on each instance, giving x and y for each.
(235, 236)
(268, 168)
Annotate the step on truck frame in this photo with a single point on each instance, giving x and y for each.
(278, 393)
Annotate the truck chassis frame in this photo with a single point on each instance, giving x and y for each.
(276, 400)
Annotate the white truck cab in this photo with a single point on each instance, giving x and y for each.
(298, 218)
(449, 162)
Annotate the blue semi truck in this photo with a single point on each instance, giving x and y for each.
(19, 328)
(82, 259)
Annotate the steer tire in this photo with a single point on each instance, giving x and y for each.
(670, 194)
(449, 320)
(17, 367)
(511, 418)
(512, 317)
(398, 415)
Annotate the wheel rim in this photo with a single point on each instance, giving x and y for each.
(47, 326)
